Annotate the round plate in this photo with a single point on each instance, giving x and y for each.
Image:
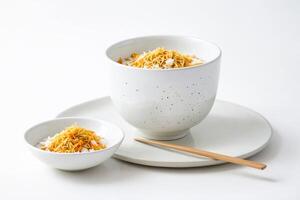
(229, 129)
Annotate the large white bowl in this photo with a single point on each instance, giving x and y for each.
(112, 135)
(164, 104)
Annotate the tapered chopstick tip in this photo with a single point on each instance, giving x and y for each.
(263, 167)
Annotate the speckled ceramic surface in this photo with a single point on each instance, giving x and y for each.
(229, 129)
(164, 104)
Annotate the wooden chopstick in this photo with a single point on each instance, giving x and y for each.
(208, 154)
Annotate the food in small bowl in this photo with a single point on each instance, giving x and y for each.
(73, 143)
(164, 85)
(73, 139)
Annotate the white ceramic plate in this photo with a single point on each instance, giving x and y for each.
(229, 129)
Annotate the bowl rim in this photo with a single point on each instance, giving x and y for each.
(76, 153)
(166, 36)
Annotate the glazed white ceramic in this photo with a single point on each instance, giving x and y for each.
(113, 136)
(229, 129)
(164, 104)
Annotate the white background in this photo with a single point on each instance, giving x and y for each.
(52, 57)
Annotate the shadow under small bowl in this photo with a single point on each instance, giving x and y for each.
(113, 137)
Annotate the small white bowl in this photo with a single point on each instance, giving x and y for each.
(113, 137)
(164, 103)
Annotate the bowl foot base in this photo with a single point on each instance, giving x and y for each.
(167, 136)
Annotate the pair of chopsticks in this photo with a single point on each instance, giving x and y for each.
(200, 152)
